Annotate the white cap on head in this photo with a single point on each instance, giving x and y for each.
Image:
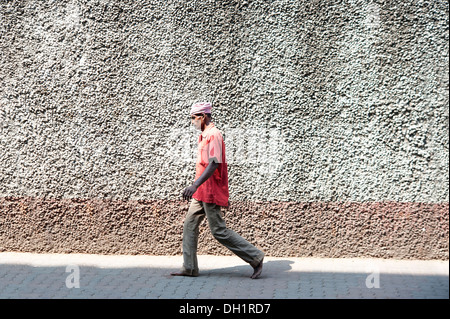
(201, 107)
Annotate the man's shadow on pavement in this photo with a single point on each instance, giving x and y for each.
(271, 268)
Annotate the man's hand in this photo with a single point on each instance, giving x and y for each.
(189, 191)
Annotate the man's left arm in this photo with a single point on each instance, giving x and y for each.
(207, 173)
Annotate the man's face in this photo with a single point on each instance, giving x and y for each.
(196, 120)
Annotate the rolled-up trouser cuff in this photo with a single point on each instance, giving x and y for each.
(257, 261)
(190, 272)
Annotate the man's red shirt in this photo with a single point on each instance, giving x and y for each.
(211, 147)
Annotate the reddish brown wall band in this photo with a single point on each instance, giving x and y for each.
(154, 227)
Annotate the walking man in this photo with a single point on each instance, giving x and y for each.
(209, 193)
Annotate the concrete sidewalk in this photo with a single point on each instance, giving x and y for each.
(27, 275)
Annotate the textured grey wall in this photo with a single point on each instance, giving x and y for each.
(319, 101)
(347, 98)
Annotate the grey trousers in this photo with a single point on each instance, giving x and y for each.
(238, 245)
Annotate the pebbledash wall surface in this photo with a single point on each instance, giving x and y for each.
(334, 114)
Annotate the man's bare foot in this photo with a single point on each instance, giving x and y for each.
(184, 273)
(257, 270)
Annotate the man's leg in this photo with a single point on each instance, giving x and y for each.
(194, 217)
(232, 240)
